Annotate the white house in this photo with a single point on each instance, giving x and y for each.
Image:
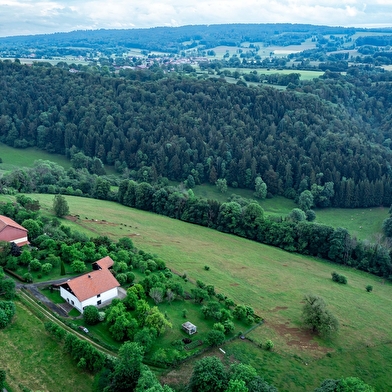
(94, 288)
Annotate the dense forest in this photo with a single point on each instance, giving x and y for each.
(335, 129)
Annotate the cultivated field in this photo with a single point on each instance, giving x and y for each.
(273, 282)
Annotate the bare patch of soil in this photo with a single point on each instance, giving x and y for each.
(234, 284)
(300, 338)
(279, 308)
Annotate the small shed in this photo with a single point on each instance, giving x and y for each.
(189, 328)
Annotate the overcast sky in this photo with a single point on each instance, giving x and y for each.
(19, 17)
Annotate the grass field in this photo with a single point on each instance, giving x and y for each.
(15, 158)
(273, 282)
(32, 359)
(364, 223)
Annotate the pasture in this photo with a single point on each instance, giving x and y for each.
(15, 158)
(364, 223)
(273, 282)
(33, 359)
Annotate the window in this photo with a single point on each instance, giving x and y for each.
(99, 302)
(98, 295)
(72, 302)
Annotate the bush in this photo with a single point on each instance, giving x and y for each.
(339, 278)
(91, 315)
(269, 345)
(35, 265)
(46, 268)
(28, 277)
(206, 267)
(369, 288)
(215, 338)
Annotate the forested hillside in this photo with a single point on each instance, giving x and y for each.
(333, 132)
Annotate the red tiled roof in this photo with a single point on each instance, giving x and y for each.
(93, 283)
(5, 221)
(105, 262)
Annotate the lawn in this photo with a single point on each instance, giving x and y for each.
(270, 280)
(32, 359)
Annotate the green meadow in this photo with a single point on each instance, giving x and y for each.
(34, 360)
(364, 223)
(273, 282)
(15, 158)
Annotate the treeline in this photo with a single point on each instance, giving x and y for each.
(246, 218)
(168, 39)
(330, 130)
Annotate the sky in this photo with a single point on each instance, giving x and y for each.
(25, 17)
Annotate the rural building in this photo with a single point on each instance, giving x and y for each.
(11, 231)
(189, 328)
(97, 287)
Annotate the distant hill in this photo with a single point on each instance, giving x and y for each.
(175, 39)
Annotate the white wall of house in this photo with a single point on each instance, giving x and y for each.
(19, 240)
(97, 300)
(71, 299)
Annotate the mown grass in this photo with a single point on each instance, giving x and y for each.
(270, 280)
(33, 359)
(15, 158)
(364, 223)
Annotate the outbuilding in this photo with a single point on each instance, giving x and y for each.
(189, 328)
(10, 231)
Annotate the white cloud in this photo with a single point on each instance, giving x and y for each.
(32, 17)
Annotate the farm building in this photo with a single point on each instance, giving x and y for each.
(11, 231)
(189, 328)
(97, 287)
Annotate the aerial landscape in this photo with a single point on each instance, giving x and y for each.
(196, 196)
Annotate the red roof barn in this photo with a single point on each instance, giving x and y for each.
(10, 231)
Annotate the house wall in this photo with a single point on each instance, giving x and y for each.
(70, 298)
(106, 296)
(19, 240)
(12, 234)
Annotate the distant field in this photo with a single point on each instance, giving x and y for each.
(68, 60)
(273, 282)
(14, 158)
(364, 223)
(32, 359)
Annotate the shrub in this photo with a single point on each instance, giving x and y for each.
(35, 265)
(206, 267)
(184, 313)
(339, 278)
(219, 327)
(215, 338)
(269, 345)
(91, 315)
(369, 288)
(46, 268)
(28, 277)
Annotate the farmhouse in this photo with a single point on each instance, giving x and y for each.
(97, 287)
(11, 231)
(189, 328)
